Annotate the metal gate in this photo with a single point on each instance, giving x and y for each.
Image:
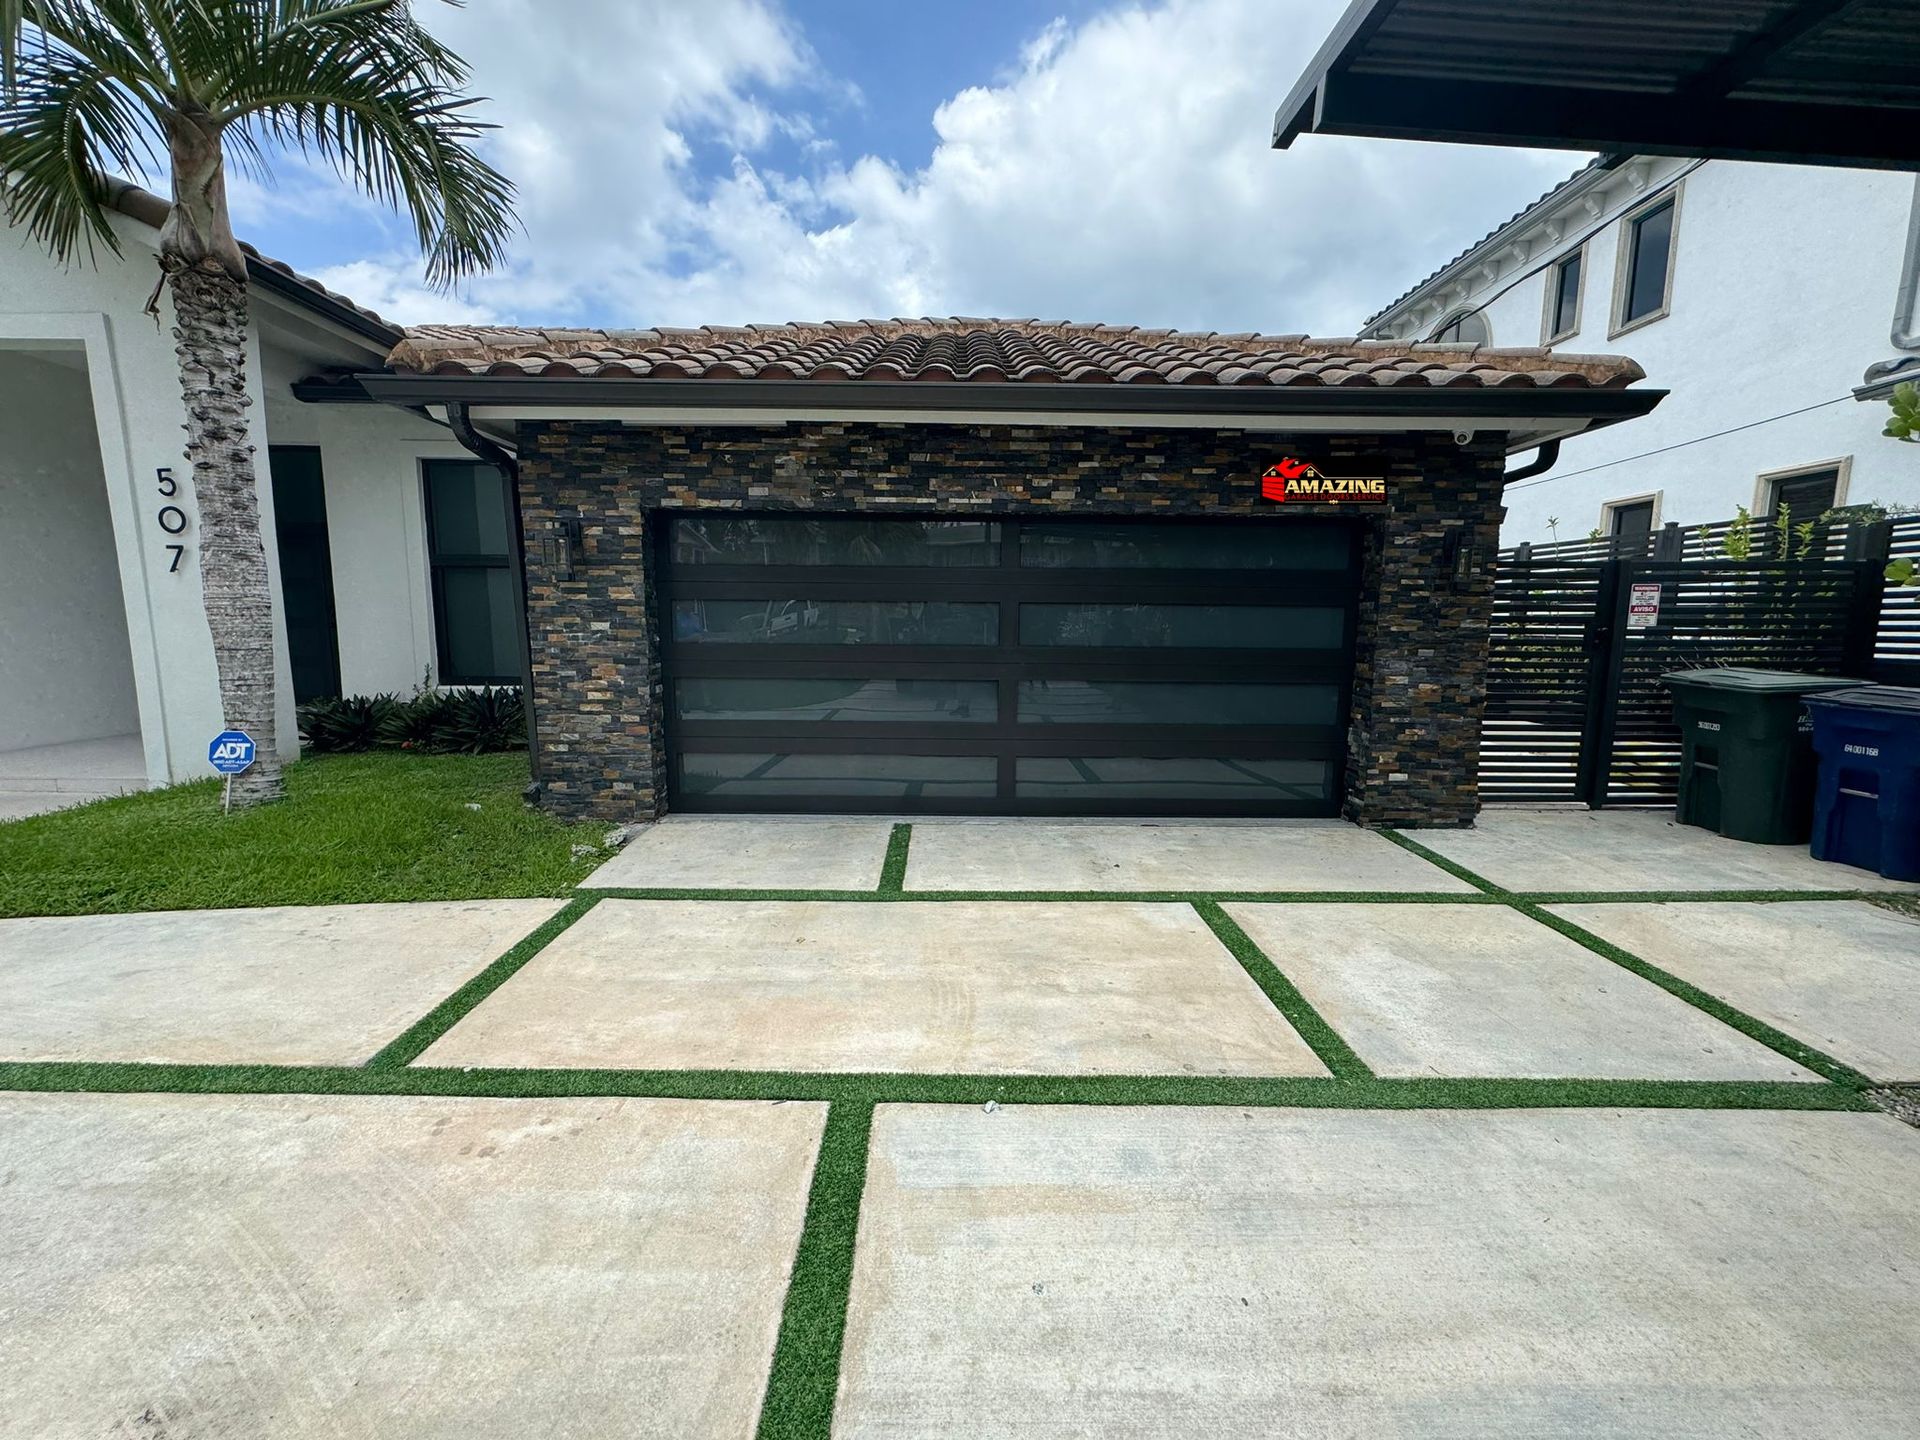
(1576, 709)
(1017, 666)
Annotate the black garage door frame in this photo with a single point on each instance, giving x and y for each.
(1007, 584)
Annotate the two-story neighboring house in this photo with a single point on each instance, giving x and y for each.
(1760, 295)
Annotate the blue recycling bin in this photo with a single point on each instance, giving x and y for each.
(1867, 804)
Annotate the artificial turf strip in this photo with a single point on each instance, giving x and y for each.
(893, 873)
(1108, 897)
(1459, 872)
(1333, 1051)
(450, 1011)
(1797, 1051)
(806, 1360)
(1282, 1092)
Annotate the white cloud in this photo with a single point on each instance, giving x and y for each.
(1118, 171)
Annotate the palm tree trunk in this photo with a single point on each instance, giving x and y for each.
(210, 339)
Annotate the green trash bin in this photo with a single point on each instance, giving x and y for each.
(1746, 751)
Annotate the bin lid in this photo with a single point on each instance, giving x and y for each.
(1888, 699)
(1764, 682)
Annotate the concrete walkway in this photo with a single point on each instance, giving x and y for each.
(1179, 1129)
(41, 778)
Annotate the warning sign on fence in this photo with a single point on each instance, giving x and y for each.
(1643, 607)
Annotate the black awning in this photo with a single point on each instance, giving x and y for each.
(1830, 82)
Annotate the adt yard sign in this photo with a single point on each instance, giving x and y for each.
(230, 752)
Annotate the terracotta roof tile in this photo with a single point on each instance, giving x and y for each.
(974, 350)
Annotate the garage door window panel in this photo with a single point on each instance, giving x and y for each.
(1187, 627)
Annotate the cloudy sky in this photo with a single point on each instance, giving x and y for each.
(734, 161)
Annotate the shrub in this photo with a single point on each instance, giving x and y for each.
(342, 724)
(477, 722)
(468, 722)
(415, 724)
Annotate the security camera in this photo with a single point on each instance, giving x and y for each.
(1463, 437)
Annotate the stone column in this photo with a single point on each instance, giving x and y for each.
(1425, 618)
(592, 619)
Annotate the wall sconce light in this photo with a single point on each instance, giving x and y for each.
(1457, 559)
(567, 548)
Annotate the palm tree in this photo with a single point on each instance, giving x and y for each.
(89, 88)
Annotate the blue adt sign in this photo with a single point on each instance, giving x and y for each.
(230, 752)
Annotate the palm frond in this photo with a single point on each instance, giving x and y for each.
(65, 126)
(361, 85)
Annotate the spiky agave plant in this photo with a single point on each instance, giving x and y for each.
(91, 88)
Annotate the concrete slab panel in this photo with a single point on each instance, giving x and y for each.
(934, 986)
(1842, 975)
(287, 985)
(1042, 855)
(444, 1269)
(1424, 1275)
(1467, 990)
(750, 852)
(1631, 850)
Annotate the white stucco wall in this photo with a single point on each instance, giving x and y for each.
(370, 465)
(65, 670)
(1783, 292)
(370, 458)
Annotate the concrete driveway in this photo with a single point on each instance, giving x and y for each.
(982, 1128)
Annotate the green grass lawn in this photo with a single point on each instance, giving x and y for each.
(382, 826)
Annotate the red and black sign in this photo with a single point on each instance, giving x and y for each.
(1295, 479)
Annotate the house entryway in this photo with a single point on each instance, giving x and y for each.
(1008, 666)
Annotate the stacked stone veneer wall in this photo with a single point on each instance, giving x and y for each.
(1424, 615)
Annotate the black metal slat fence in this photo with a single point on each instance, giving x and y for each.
(1576, 710)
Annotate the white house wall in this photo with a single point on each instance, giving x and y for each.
(1783, 287)
(65, 670)
(370, 467)
(370, 457)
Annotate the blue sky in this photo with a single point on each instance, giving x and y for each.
(753, 160)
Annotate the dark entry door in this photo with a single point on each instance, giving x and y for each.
(306, 570)
(1012, 666)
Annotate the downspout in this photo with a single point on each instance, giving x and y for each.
(1544, 459)
(1904, 335)
(503, 460)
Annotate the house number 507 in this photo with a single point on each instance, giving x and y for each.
(173, 520)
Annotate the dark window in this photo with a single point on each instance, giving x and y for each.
(751, 540)
(835, 622)
(473, 617)
(1190, 627)
(858, 701)
(1649, 251)
(766, 776)
(1197, 778)
(1471, 327)
(1804, 497)
(306, 570)
(1566, 297)
(1249, 545)
(1633, 520)
(1169, 702)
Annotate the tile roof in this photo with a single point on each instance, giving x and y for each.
(994, 351)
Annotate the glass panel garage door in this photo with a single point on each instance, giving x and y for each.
(1054, 667)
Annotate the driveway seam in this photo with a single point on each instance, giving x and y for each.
(408, 1046)
(893, 870)
(1308, 1023)
(906, 1087)
(804, 1379)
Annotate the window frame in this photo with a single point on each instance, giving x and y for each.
(1629, 223)
(438, 564)
(1465, 312)
(1610, 508)
(1766, 485)
(1549, 335)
